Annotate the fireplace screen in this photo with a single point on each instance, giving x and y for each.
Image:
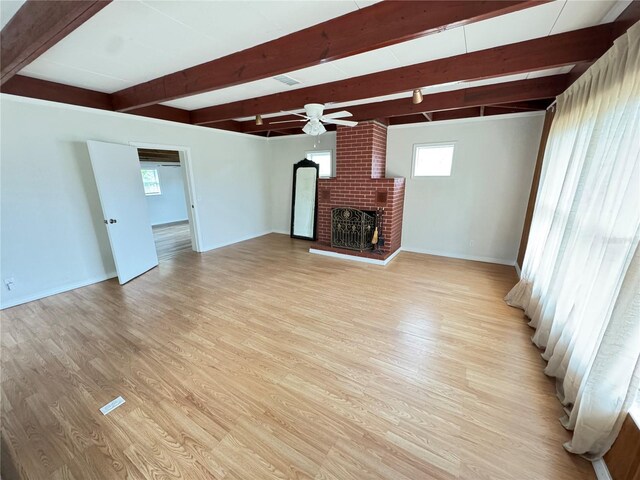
(352, 229)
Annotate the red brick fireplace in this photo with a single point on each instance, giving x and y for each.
(361, 155)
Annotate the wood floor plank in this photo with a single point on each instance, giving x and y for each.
(172, 239)
(260, 360)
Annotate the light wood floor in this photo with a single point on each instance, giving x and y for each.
(261, 361)
(172, 239)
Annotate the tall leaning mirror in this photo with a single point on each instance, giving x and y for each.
(304, 200)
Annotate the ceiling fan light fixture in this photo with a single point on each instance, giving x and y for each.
(417, 96)
(258, 119)
(314, 127)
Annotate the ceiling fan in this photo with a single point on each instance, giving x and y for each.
(316, 120)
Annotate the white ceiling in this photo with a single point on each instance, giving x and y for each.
(8, 9)
(132, 41)
(447, 87)
(539, 21)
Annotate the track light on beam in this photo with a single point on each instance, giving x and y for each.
(258, 119)
(417, 96)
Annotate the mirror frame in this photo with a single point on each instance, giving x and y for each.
(305, 163)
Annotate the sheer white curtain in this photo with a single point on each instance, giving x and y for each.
(580, 283)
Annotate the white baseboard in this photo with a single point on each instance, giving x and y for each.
(283, 232)
(355, 258)
(238, 240)
(602, 472)
(71, 286)
(518, 271)
(54, 291)
(437, 253)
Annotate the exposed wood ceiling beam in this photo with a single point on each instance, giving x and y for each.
(380, 25)
(531, 105)
(25, 86)
(58, 92)
(541, 53)
(500, 93)
(471, 112)
(490, 110)
(413, 118)
(39, 25)
(164, 112)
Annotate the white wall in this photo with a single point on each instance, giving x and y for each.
(52, 233)
(284, 152)
(477, 212)
(171, 205)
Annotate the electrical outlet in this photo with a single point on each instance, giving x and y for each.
(9, 283)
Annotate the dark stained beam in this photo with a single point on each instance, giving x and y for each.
(163, 112)
(380, 25)
(407, 119)
(456, 114)
(438, 116)
(500, 93)
(39, 25)
(230, 125)
(577, 71)
(626, 19)
(56, 92)
(538, 54)
(531, 105)
(500, 110)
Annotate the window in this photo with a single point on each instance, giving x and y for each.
(433, 160)
(322, 158)
(151, 181)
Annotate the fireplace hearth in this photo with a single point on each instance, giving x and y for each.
(352, 228)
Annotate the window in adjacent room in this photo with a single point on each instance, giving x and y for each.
(151, 181)
(322, 158)
(433, 160)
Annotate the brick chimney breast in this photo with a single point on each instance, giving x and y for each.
(360, 182)
(361, 151)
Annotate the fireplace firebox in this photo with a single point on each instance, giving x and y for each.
(352, 229)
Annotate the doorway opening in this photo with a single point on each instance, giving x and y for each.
(167, 194)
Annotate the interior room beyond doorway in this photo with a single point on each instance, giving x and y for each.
(164, 187)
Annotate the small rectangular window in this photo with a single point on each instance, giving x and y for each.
(151, 181)
(322, 158)
(433, 160)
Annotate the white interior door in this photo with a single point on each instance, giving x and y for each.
(124, 206)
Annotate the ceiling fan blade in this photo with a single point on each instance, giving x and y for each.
(340, 114)
(296, 114)
(346, 123)
(288, 121)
